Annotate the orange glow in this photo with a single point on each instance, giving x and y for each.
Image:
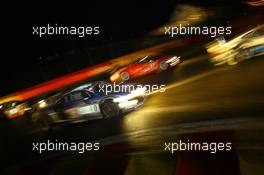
(58, 82)
(256, 2)
(90, 71)
(114, 77)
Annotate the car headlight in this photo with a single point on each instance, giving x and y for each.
(128, 104)
(135, 93)
(13, 111)
(42, 104)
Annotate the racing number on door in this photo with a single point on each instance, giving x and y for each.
(94, 108)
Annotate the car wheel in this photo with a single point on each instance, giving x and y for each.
(125, 76)
(110, 109)
(164, 65)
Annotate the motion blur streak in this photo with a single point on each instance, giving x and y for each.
(255, 3)
(59, 82)
(90, 72)
(194, 60)
(190, 80)
(148, 110)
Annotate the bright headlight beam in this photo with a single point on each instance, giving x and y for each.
(133, 94)
(175, 58)
(139, 91)
(13, 111)
(42, 103)
(128, 104)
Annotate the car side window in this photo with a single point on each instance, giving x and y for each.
(75, 96)
(145, 59)
(63, 100)
(86, 95)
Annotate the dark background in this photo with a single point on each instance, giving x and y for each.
(24, 55)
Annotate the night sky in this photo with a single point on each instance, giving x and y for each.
(121, 21)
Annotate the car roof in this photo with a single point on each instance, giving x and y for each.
(87, 86)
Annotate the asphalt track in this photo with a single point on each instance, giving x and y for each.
(195, 91)
(198, 98)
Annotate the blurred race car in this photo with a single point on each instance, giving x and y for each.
(94, 101)
(14, 109)
(255, 3)
(242, 47)
(144, 66)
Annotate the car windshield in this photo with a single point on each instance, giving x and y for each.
(144, 59)
(84, 86)
(100, 87)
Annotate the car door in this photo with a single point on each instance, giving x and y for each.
(149, 66)
(89, 106)
(71, 102)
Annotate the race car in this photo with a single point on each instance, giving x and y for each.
(242, 47)
(14, 109)
(94, 100)
(143, 66)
